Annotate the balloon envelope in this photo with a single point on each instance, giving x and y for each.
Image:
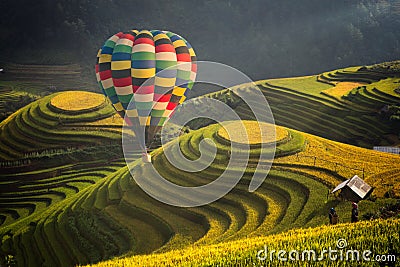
(146, 75)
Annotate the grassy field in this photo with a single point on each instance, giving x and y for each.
(77, 101)
(341, 89)
(67, 197)
(294, 195)
(52, 149)
(253, 133)
(11, 101)
(41, 127)
(324, 105)
(376, 236)
(44, 79)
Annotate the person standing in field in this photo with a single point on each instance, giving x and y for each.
(354, 212)
(333, 217)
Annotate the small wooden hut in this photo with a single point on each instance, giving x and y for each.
(354, 189)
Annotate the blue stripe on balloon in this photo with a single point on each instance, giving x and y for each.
(186, 93)
(174, 38)
(107, 50)
(143, 64)
(121, 56)
(114, 99)
(155, 32)
(125, 105)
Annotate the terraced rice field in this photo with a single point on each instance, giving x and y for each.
(41, 126)
(303, 104)
(72, 101)
(50, 151)
(341, 89)
(244, 252)
(67, 197)
(114, 216)
(38, 78)
(11, 101)
(27, 192)
(253, 133)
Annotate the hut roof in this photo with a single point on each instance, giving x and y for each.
(356, 184)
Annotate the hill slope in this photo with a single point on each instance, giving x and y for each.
(343, 105)
(42, 125)
(51, 150)
(67, 197)
(244, 252)
(114, 216)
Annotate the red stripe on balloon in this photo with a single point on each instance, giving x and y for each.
(104, 75)
(183, 57)
(172, 106)
(129, 36)
(194, 67)
(121, 82)
(162, 98)
(144, 41)
(165, 48)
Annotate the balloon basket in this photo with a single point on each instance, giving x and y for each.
(146, 158)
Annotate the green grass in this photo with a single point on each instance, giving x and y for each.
(72, 204)
(300, 103)
(308, 85)
(374, 236)
(11, 100)
(114, 216)
(36, 127)
(44, 79)
(235, 216)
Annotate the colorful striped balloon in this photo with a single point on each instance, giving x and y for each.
(146, 75)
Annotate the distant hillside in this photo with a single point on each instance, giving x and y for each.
(261, 38)
(347, 105)
(42, 126)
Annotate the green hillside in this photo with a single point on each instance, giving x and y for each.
(49, 153)
(67, 197)
(244, 252)
(114, 216)
(41, 126)
(44, 79)
(322, 105)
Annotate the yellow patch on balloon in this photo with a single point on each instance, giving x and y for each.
(179, 43)
(121, 65)
(105, 58)
(143, 121)
(182, 99)
(179, 91)
(164, 82)
(160, 36)
(143, 73)
(118, 106)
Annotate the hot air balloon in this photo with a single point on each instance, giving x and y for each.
(146, 75)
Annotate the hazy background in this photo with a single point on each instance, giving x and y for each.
(262, 38)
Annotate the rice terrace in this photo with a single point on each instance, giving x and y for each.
(67, 196)
(72, 193)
